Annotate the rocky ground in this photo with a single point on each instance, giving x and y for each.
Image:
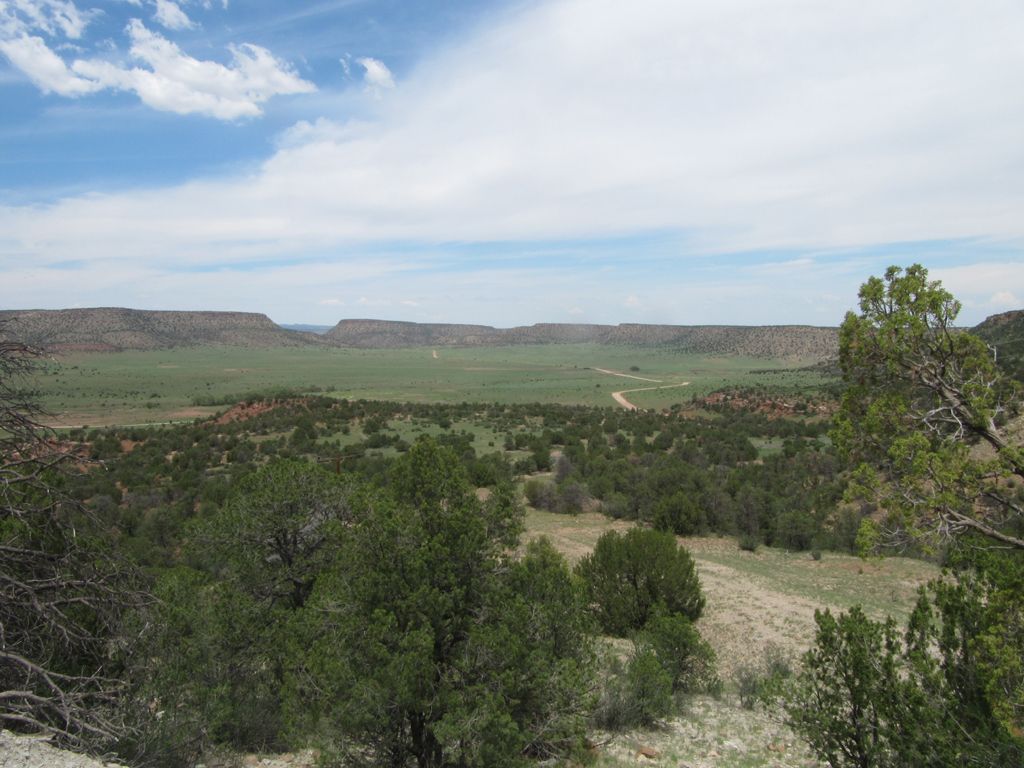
(711, 733)
(20, 751)
(17, 751)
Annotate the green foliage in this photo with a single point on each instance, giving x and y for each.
(685, 657)
(763, 681)
(679, 514)
(274, 537)
(748, 542)
(629, 577)
(920, 392)
(1006, 333)
(1000, 652)
(424, 646)
(210, 668)
(668, 657)
(869, 697)
(637, 694)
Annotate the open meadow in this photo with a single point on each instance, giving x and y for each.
(136, 387)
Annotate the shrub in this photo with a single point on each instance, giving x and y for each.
(748, 542)
(686, 658)
(679, 514)
(635, 695)
(629, 576)
(762, 682)
(540, 494)
(871, 697)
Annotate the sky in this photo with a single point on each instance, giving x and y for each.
(741, 162)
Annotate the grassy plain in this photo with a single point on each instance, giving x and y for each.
(144, 387)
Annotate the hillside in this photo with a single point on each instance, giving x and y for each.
(115, 329)
(1006, 332)
(788, 341)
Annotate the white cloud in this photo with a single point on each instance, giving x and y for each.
(170, 15)
(736, 125)
(179, 83)
(173, 82)
(632, 301)
(332, 302)
(1004, 299)
(411, 303)
(49, 16)
(45, 68)
(377, 75)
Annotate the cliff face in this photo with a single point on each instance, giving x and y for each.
(115, 329)
(793, 341)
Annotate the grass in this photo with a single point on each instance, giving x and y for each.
(145, 387)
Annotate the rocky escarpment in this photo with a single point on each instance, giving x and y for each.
(115, 329)
(790, 341)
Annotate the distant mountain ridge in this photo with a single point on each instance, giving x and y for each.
(784, 341)
(113, 329)
(1005, 332)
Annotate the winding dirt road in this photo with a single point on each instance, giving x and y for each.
(628, 405)
(619, 395)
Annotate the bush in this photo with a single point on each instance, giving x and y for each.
(629, 576)
(636, 695)
(868, 697)
(686, 658)
(679, 514)
(761, 682)
(748, 542)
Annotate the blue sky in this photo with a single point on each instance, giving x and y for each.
(506, 163)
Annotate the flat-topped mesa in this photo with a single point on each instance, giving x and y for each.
(113, 329)
(396, 334)
(116, 329)
(789, 341)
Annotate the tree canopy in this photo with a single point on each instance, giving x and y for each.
(426, 645)
(631, 577)
(923, 397)
(929, 420)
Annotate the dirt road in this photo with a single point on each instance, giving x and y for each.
(628, 405)
(627, 376)
(619, 395)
